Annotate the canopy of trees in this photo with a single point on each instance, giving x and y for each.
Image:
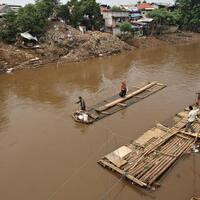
(163, 16)
(190, 14)
(186, 15)
(33, 17)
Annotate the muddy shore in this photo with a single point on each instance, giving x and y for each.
(65, 44)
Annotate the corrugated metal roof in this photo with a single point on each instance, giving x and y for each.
(28, 36)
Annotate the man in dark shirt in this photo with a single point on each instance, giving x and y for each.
(82, 103)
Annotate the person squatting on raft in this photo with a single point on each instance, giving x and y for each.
(82, 103)
(123, 89)
(192, 116)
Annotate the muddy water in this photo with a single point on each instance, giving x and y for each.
(44, 155)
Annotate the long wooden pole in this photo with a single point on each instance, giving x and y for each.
(169, 164)
(155, 163)
(160, 165)
(119, 100)
(141, 167)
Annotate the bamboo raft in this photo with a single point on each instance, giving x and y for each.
(144, 160)
(116, 103)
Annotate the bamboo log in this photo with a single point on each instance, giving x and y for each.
(169, 164)
(191, 134)
(104, 163)
(163, 140)
(160, 159)
(156, 161)
(136, 170)
(119, 100)
(167, 160)
(157, 167)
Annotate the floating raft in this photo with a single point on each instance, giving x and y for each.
(116, 103)
(144, 160)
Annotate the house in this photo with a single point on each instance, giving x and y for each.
(104, 7)
(5, 8)
(15, 8)
(160, 5)
(113, 20)
(129, 8)
(144, 8)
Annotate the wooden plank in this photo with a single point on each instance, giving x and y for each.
(122, 104)
(165, 154)
(182, 136)
(116, 157)
(196, 135)
(135, 180)
(93, 116)
(119, 100)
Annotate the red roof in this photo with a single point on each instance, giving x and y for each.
(143, 6)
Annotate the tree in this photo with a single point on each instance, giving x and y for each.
(85, 12)
(46, 7)
(76, 14)
(127, 31)
(62, 11)
(92, 9)
(116, 9)
(8, 28)
(165, 17)
(29, 19)
(126, 27)
(190, 14)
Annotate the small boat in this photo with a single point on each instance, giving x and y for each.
(82, 117)
(115, 103)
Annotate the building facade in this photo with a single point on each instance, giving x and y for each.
(113, 20)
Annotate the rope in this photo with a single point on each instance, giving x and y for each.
(67, 179)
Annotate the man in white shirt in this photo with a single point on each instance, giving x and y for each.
(192, 116)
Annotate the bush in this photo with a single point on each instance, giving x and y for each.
(165, 17)
(126, 27)
(8, 28)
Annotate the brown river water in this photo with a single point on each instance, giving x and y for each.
(45, 155)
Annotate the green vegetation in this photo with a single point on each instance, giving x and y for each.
(126, 27)
(127, 31)
(190, 14)
(29, 19)
(9, 29)
(165, 17)
(186, 15)
(116, 9)
(34, 17)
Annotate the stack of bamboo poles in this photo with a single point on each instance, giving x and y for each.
(145, 164)
(152, 166)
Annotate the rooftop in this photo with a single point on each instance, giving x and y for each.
(144, 6)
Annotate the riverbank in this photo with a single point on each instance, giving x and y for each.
(65, 44)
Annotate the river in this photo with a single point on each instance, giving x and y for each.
(45, 155)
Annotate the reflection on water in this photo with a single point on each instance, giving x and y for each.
(40, 144)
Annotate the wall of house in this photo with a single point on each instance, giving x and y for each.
(111, 17)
